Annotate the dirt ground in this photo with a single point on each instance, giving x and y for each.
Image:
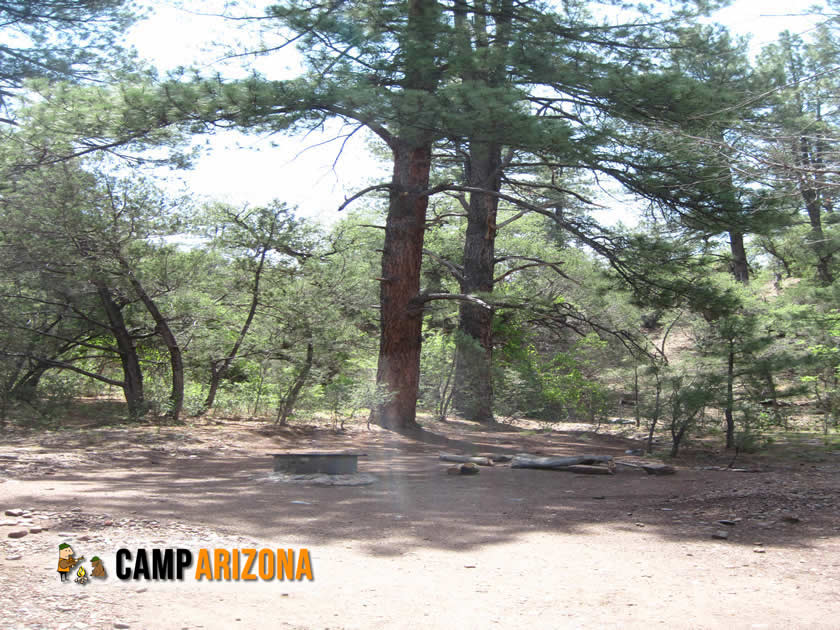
(507, 548)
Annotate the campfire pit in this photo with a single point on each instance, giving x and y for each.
(309, 463)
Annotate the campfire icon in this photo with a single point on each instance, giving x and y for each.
(81, 576)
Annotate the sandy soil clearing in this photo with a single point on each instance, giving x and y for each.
(418, 548)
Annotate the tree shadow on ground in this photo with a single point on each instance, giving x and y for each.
(416, 505)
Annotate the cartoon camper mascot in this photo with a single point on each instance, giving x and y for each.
(66, 561)
(98, 568)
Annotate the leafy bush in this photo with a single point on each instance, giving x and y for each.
(551, 387)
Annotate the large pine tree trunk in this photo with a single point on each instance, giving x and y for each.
(740, 268)
(730, 398)
(809, 156)
(216, 374)
(823, 253)
(401, 316)
(219, 369)
(294, 391)
(26, 388)
(176, 361)
(473, 390)
(132, 373)
(473, 376)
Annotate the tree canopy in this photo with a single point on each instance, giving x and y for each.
(479, 265)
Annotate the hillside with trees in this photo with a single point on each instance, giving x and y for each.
(476, 282)
(419, 313)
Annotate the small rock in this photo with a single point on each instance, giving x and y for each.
(76, 509)
(639, 524)
(726, 521)
(121, 626)
(36, 530)
(109, 522)
(721, 534)
(469, 469)
(791, 518)
(600, 496)
(18, 533)
(759, 550)
(14, 512)
(15, 557)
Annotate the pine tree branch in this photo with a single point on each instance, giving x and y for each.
(456, 270)
(534, 262)
(362, 193)
(64, 365)
(423, 297)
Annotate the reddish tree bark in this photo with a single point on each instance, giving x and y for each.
(401, 315)
(401, 310)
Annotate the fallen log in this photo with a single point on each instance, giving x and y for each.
(523, 460)
(628, 464)
(465, 459)
(583, 469)
(658, 469)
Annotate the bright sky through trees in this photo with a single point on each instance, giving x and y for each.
(306, 170)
